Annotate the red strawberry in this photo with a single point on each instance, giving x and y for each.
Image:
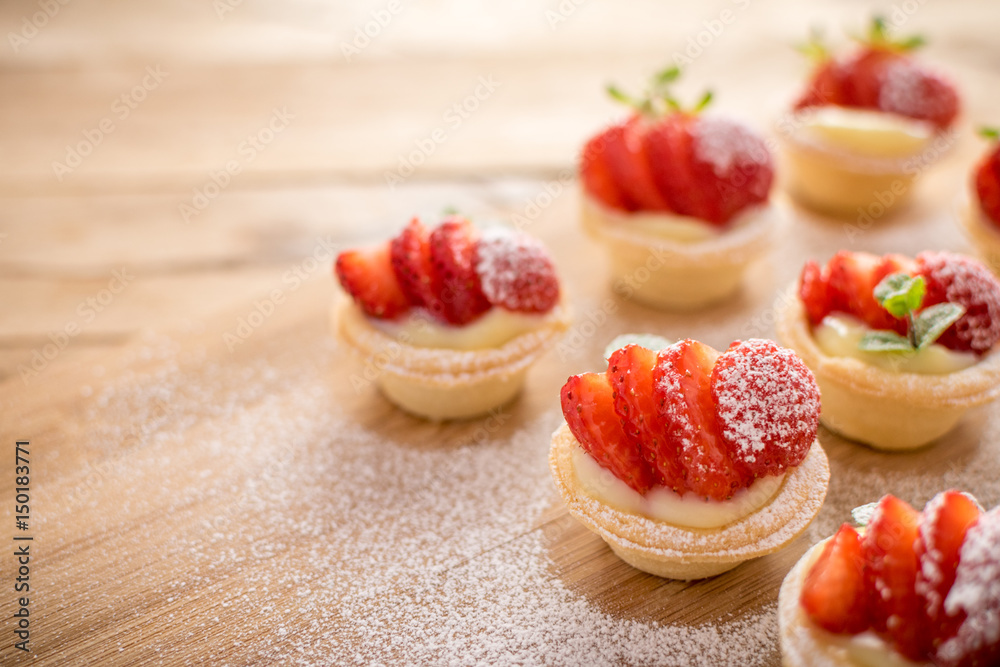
(962, 280)
(768, 406)
(367, 275)
(882, 75)
(682, 390)
(596, 174)
(987, 175)
(626, 151)
(630, 372)
(946, 520)
(411, 260)
(452, 254)
(669, 145)
(813, 292)
(588, 406)
(851, 287)
(975, 598)
(891, 573)
(833, 593)
(516, 272)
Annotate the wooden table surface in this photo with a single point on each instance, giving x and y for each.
(207, 486)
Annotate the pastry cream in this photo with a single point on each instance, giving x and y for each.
(869, 133)
(838, 335)
(681, 228)
(493, 329)
(663, 504)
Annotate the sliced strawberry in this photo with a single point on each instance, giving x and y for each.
(987, 175)
(852, 279)
(366, 274)
(731, 165)
(598, 180)
(891, 573)
(975, 598)
(909, 89)
(825, 86)
(670, 147)
(682, 390)
(628, 162)
(516, 271)
(962, 280)
(946, 520)
(813, 292)
(452, 254)
(588, 406)
(411, 261)
(833, 593)
(630, 372)
(768, 406)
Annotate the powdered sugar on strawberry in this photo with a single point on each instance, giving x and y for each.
(957, 279)
(516, 271)
(906, 90)
(768, 405)
(726, 144)
(976, 593)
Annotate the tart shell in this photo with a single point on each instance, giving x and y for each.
(668, 274)
(440, 383)
(675, 552)
(883, 409)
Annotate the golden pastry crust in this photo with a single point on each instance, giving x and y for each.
(441, 383)
(985, 235)
(887, 410)
(694, 553)
(664, 273)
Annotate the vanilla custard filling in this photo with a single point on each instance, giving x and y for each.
(663, 504)
(838, 335)
(869, 650)
(680, 228)
(493, 329)
(875, 134)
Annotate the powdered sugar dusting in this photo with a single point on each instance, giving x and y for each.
(976, 590)
(516, 271)
(768, 402)
(904, 90)
(728, 145)
(970, 284)
(931, 562)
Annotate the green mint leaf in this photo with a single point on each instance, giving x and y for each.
(989, 133)
(863, 515)
(884, 341)
(934, 321)
(900, 294)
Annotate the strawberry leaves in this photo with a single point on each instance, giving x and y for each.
(657, 101)
(901, 296)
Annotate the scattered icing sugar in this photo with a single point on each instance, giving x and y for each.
(516, 271)
(726, 144)
(931, 561)
(971, 284)
(976, 590)
(768, 402)
(903, 89)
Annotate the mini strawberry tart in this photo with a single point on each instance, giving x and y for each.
(901, 348)
(450, 319)
(981, 213)
(866, 125)
(679, 200)
(912, 589)
(688, 462)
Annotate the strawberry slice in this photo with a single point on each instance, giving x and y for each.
(366, 274)
(768, 406)
(731, 165)
(682, 391)
(630, 372)
(670, 147)
(964, 281)
(516, 271)
(813, 292)
(833, 593)
(946, 520)
(596, 174)
(411, 260)
(452, 254)
(987, 177)
(628, 162)
(588, 406)
(891, 573)
(975, 598)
